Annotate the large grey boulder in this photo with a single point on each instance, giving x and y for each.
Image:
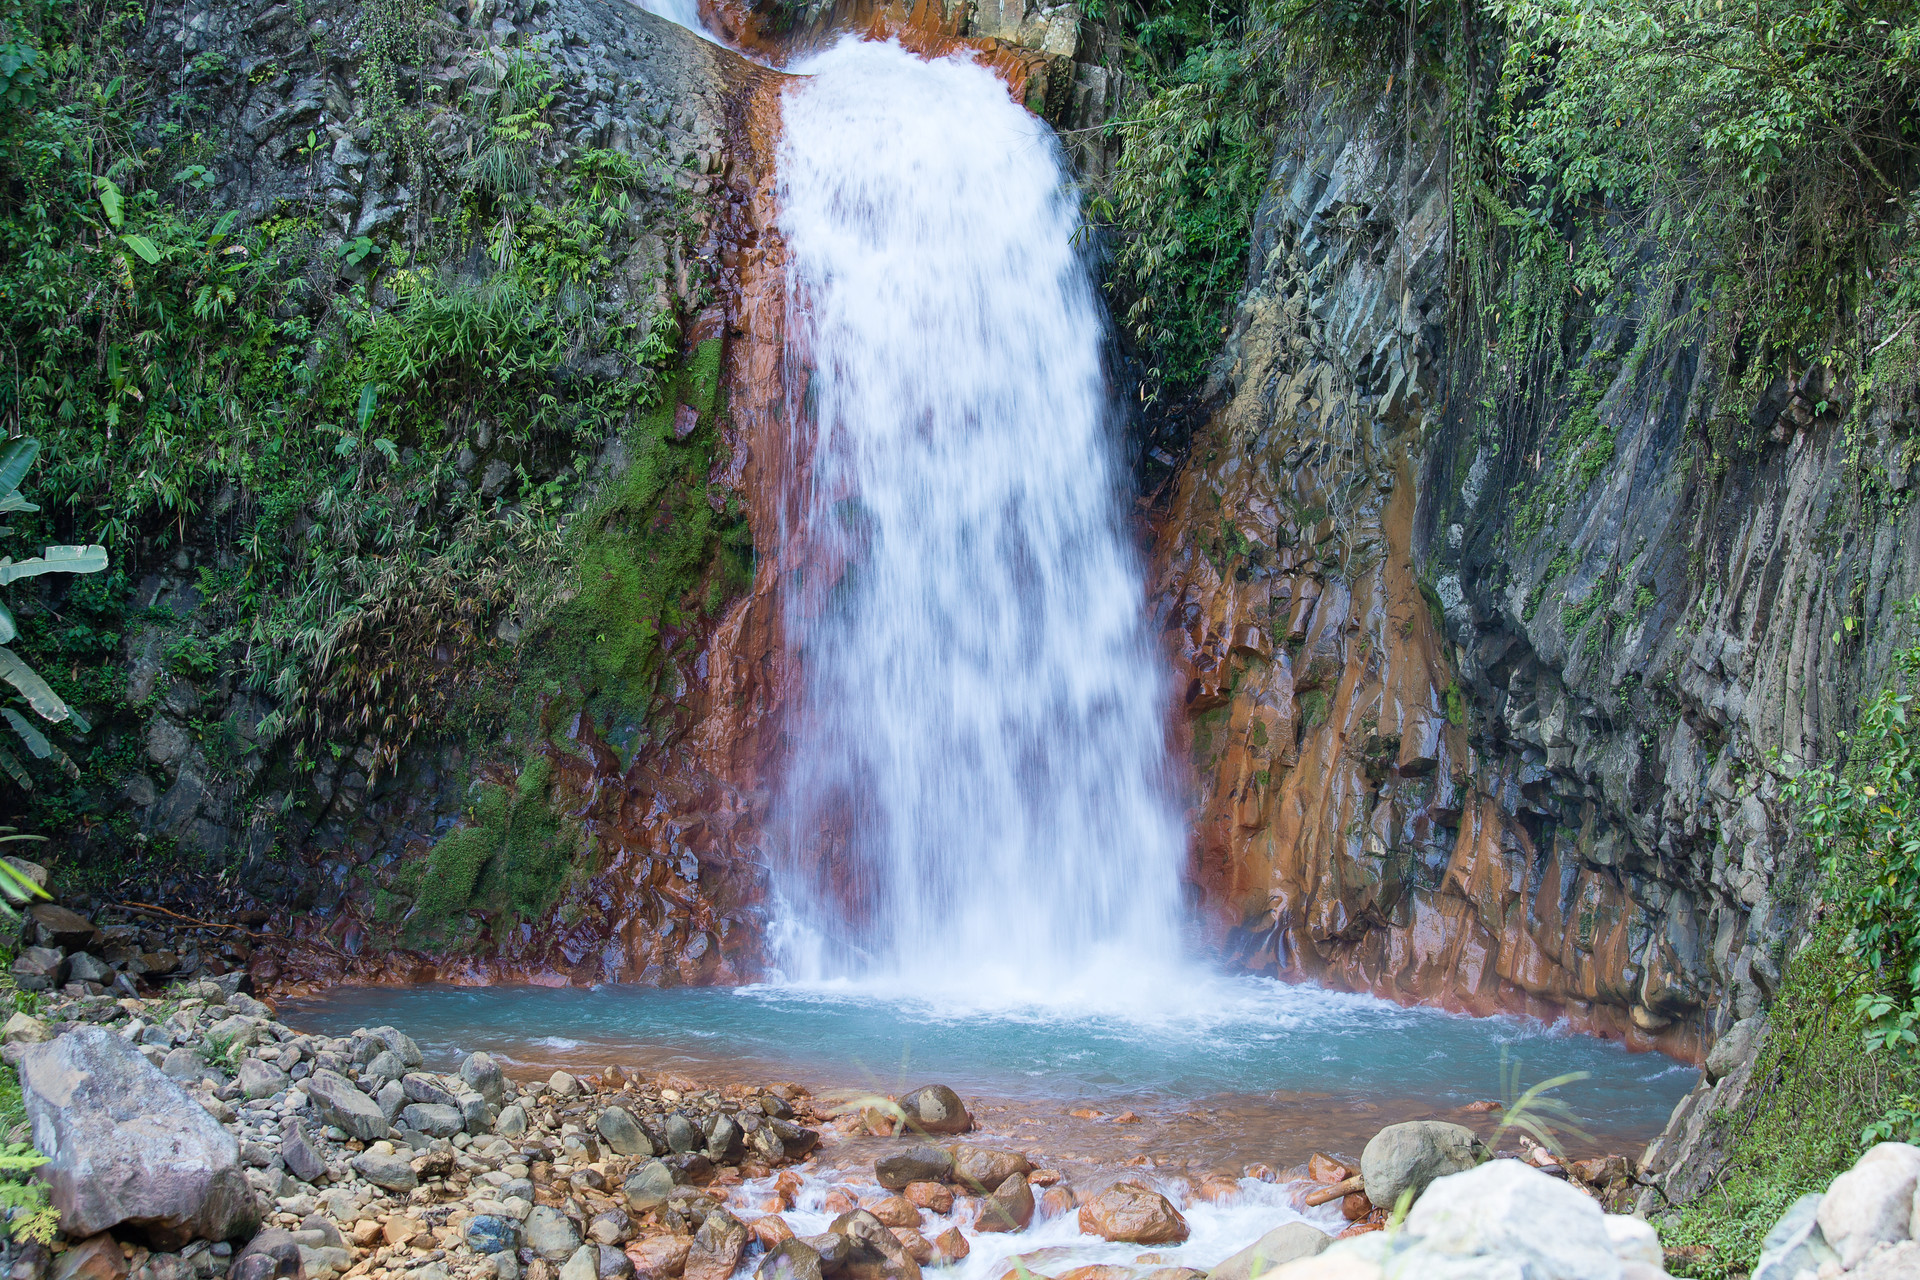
(389, 1172)
(1283, 1244)
(341, 1104)
(128, 1148)
(623, 1133)
(1871, 1203)
(432, 1119)
(898, 1169)
(1509, 1209)
(1408, 1156)
(483, 1076)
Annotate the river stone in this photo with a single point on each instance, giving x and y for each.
(82, 967)
(418, 1086)
(1010, 1207)
(661, 1256)
(432, 1119)
(298, 1154)
(1870, 1203)
(39, 969)
(484, 1077)
(980, 1169)
(563, 1085)
(128, 1147)
(648, 1186)
(342, 1105)
(550, 1234)
(873, 1241)
(1508, 1209)
(476, 1113)
(261, 1079)
(401, 1043)
(717, 1247)
(934, 1108)
(386, 1065)
(897, 1169)
(391, 1173)
(1795, 1243)
(183, 1064)
(614, 1263)
(512, 1121)
(390, 1097)
(610, 1227)
(1133, 1212)
(97, 1258)
(723, 1138)
(796, 1138)
(1411, 1155)
(583, 1264)
(683, 1135)
(24, 1028)
(833, 1249)
(791, 1259)
(1283, 1244)
(623, 1133)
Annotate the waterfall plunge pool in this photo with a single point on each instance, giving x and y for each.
(1234, 1070)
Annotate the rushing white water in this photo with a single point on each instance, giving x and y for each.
(981, 748)
(685, 13)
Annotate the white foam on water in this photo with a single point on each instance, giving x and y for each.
(980, 746)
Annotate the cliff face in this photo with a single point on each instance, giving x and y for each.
(1494, 725)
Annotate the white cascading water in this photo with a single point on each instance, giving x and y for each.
(981, 740)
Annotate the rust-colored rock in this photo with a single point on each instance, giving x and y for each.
(894, 1211)
(932, 1196)
(1135, 1213)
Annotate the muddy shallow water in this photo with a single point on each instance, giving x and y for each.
(1230, 1072)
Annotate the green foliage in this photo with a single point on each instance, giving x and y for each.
(1802, 1120)
(1863, 819)
(24, 1211)
(511, 858)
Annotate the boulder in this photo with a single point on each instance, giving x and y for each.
(717, 1247)
(432, 1119)
(95, 1258)
(388, 1172)
(980, 1169)
(950, 1246)
(895, 1211)
(610, 1226)
(62, 927)
(648, 1186)
(1010, 1207)
(82, 967)
(873, 1241)
(1409, 1156)
(128, 1148)
(1511, 1210)
(1871, 1203)
(386, 1065)
(477, 1113)
(484, 1077)
(897, 1170)
(418, 1086)
(657, 1257)
(623, 1133)
(390, 1097)
(1283, 1244)
(400, 1043)
(342, 1105)
(934, 1108)
(298, 1153)
(564, 1085)
(491, 1233)
(24, 1028)
(261, 1079)
(789, 1260)
(683, 1135)
(1795, 1243)
(39, 969)
(1135, 1213)
(933, 1196)
(511, 1122)
(550, 1234)
(614, 1263)
(582, 1264)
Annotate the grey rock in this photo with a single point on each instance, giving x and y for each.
(915, 1164)
(421, 1087)
(183, 1064)
(682, 1134)
(390, 1097)
(623, 1133)
(391, 1173)
(582, 1264)
(86, 968)
(261, 1079)
(432, 1119)
(385, 1065)
(1285, 1243)
(979, 1169)
(1795, 1243)
(484, 1077)
(298, 1153)
(340, 1104)
(610, 1227)
(1871, 1203)
(39, 969)
(1403, 1157)
(512, 1122)
(550, 1234)
(1734, 1048)
(614, 1264)
(934, 1108)
(717, 1247)
(127, 1147)
(648, 1186)
(476, 1113)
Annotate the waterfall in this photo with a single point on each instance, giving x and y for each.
(979, 786)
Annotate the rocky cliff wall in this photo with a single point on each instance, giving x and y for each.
(1488, 718)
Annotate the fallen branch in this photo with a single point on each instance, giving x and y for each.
(1337, 1191)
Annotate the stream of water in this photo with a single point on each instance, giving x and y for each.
(979, 793)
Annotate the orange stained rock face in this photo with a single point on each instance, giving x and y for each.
(1345, 827)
